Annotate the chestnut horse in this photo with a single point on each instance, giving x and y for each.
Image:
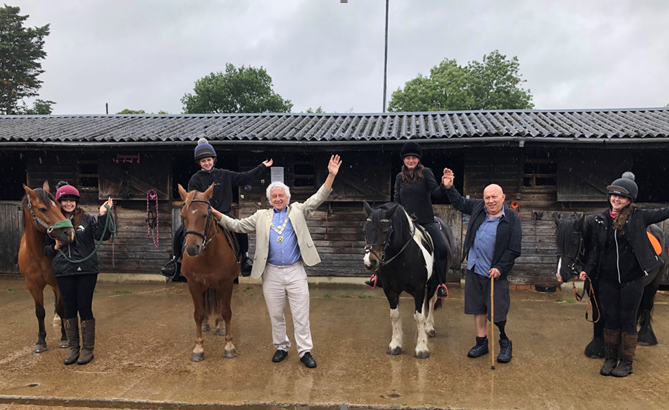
(210, 265)
(42, 215)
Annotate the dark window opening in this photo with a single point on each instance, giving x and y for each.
(87, 171)
(539, 170)
(303, 170)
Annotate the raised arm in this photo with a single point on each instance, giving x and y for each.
(333, 169)
(246, 225)
(238, 178)
(458, 201)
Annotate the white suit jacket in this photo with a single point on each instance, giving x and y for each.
(260, 224)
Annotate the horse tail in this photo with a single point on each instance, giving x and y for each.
(210, 302)
(450, 241)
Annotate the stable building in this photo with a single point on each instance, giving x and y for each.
(547, 161)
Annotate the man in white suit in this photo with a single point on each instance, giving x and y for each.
(283, 246)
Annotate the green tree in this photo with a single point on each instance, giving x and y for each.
(493, 84)
(318, 110)
(21, 49)
(40, 107)
(238, 90)
(129, 111)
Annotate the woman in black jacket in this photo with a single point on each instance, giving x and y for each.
(414, 188)
(623, 256)
(76, 281)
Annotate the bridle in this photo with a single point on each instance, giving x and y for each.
(204, 236)
(575, 271)
(576, 260)
(382, 259)
(49, 228)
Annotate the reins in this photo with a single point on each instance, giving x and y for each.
(574, 271)
(110, 225)
(206, 228)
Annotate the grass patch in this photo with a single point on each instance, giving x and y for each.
(10, 290)
(250, 294)
(328, 296)
(345, 296)
(249, 287)
(123, 292)
(365, 297)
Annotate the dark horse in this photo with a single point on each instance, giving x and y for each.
(210, 265)
(402, 254)
(42, 215)
(574, 242)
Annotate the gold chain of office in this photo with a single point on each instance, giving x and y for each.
(280, 229)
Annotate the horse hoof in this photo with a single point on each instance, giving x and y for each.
(40, 349)
(395, 351)
(63, 344)
(197, 357)
(431, 333)
(422, 355)
(595, 350)
(230, 354)
(220, 332)
(647, 340)
(205, 327)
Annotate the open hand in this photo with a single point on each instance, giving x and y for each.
(103, 209)
(447, 178)
(582, 276)
(333, 166)
(268, 163)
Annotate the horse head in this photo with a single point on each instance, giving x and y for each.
(197, 219)
(40, 207)
(570, 241)
(378, 232)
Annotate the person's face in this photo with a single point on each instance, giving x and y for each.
(411, 162)
(278, 198)
(207, 163)
(494, 200)
(618, 202)
(68, 205)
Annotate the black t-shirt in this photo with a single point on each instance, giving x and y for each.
(224, 180)
(416, 196)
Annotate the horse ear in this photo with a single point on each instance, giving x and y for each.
(556, 218)
(182, 193)
(28, 190)
(368, 208)
(209, 192)
(391, 211)
(581, 223)
(46, 187)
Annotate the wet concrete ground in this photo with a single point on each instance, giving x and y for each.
(146, 334)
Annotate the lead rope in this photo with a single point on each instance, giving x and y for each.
(110, 225)
(152, 194)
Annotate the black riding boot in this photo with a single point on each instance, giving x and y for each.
(72, 333)
(374, 282)
(87, 341)
(611, 350)
(629, 342)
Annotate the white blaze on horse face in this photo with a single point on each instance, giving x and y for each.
(368, 263)
(429, 258)
(558, 269)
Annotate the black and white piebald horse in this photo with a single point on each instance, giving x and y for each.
(573, 237)
(402, 255)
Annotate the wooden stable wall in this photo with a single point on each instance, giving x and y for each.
(12, 230)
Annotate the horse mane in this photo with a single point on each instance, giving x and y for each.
(564, 231)
(45, 197)
(189, 198)
(399, 221)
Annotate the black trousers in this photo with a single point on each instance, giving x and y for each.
(440, 249)
(178, 240)
(77, 291)
(620, 303)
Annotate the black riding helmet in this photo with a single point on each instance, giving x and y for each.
(411, 148)
(624, 186)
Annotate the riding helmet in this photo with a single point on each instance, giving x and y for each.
(411, 148)
(66, 192)
(624, 186)
(204, 150)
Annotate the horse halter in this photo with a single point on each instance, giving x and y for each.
(206, 228)
(382, 259)
(49, 228)
(576, 260)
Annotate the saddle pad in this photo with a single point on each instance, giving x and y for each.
(656, 244)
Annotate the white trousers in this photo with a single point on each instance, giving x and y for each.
(289, 281)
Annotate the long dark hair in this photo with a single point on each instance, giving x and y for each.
(406, 174)
(621, 218)
(78, 212)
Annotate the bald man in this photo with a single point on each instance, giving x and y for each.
(491, 246)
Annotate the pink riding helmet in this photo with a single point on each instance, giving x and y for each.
(67, 192)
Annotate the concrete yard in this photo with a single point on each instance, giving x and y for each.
(146, 334)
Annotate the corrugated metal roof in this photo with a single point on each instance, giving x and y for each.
(577, 125)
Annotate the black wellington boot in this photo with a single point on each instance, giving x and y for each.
(72, 333)
(611, 350)
(87, 341)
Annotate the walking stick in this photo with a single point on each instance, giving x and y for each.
(492, 321)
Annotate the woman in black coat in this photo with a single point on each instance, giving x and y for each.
(76, 281)
(414, 188)
(623, 255)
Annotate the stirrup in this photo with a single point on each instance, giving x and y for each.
(437, 291)
(169, 273)
(373, 279)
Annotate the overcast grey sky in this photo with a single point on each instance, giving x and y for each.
(142, 54)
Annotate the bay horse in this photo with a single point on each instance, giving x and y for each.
(573, 237)
(402, 255)
(210, 265)
(42, 215)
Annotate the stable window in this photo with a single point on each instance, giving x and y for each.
(87, 174)
(303, 170)
(540, 169)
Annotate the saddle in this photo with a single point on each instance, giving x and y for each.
(655, 242)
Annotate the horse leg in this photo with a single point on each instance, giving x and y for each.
(595, 349)
(60, 314)
(230, 350)
(205, 318)
(429, 323)
(422, 351)
(198, 315)
(38, 295)
(644, 316)
(395, 346)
